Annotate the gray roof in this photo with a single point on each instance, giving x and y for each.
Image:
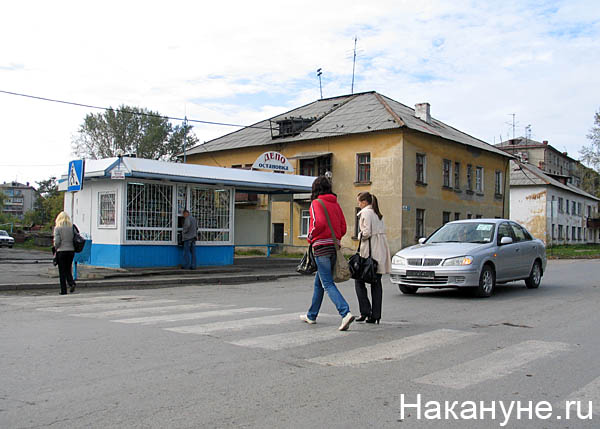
(349, 114)
(523, 174)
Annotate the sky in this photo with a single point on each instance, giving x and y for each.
(475, 62)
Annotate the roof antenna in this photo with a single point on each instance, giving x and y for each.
(319, 73)
(353, 65)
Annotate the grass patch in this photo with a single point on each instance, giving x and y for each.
(287, 255)
(575, 251)
(251, 252)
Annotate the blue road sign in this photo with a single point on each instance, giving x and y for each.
(75, 180)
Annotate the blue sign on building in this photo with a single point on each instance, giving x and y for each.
(75, 180)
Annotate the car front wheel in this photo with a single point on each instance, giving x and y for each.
(535, 277)
(487, 282)
(409, 290)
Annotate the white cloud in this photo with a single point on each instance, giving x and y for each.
(241, 62)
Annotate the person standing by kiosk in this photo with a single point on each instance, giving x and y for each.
(189, 235)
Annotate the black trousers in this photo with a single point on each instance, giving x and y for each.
(366, 309)
(65, 269)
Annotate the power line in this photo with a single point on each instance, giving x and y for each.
(90, 106)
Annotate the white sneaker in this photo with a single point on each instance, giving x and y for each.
(346, 321)
(305, 318)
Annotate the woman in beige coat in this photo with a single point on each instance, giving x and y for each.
(65, 251)
(372, 227)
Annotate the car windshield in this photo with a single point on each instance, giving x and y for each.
(468, 232)
(3, 233)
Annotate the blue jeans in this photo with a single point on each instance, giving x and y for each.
(324, 282)
(189, 250)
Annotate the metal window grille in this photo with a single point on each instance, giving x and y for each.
(212, 210)
(181, 199)
(107, 212)
(149, 212)
(363, 173)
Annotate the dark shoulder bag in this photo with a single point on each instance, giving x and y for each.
(78, 240)
(364, 269)
(307, 264)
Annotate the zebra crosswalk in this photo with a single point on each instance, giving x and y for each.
(275, 329)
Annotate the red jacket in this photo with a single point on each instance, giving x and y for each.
(319, 233)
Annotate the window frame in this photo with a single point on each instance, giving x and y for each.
(446, 173)
(469, 177)
(445, 217)
(421, 168)
(304, 234)
(420, 223)
(366, 165)
(479, 179)
(498, 183)
(101, 225)
(456, 175)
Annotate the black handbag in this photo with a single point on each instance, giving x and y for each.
(364, 269)
(78, 240)
(307, 264)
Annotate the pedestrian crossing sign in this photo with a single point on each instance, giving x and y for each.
(75, 181)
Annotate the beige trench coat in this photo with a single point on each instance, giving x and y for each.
(371, 226)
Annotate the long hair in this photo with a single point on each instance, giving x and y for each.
(63, 219)
(372, 201)
(320, 186)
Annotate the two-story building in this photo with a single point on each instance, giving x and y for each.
(423, 171)
(20, 198)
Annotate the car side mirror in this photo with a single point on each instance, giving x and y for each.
(506, 240)
(422, 240)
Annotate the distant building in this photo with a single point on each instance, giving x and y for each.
(20, 198)
(553, 211)
(545, 157)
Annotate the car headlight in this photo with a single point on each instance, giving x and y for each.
(398, 260)
(461, 260)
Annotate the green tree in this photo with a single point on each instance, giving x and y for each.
(591, 154)
(133, 130)
(49, 203)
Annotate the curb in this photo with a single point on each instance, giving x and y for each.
(250, 278)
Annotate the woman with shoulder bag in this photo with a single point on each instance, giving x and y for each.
(372, 229)
(65, 251)
(324, 204)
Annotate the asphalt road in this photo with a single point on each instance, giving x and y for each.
(238, 356)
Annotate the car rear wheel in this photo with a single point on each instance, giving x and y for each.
(535, 277)
(487, 282)
(408, 290)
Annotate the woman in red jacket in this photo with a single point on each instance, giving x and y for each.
(319, 235)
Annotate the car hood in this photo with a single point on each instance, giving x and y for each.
(441, 250)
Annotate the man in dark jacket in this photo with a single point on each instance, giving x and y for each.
(189, 236)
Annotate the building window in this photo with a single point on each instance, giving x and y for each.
(149, 212)
(107, 213)
(457, 216)
(560, 206)
(567, 207)
(589, 211)
(479, 180)
(553, 235)
(421, 168)
(212, 210)
(498, 183)
(363, 167)
(469, 177)
(573, 233)
(445, 217)
(315, 166)
(420, 230)
(567, 232)
(573, 207)
(560, 232)
(304, 220)
(478, 216)
(469, 216)
(579, 209)
(446, 173)
(457, 175)
(579, 233)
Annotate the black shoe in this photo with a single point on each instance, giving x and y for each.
(362, 318)
(63, 293)
(370, 320)
(72, 288)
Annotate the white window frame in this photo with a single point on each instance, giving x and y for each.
(479, 175)
(359, 164)
(115, 209)
(304, 216)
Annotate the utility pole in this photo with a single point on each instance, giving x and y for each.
(319, 73)
(353, 65)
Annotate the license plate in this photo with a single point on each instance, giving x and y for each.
(421, 274)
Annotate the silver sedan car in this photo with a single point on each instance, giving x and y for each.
(476, 253)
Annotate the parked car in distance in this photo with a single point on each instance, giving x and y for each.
(475, 253)
(5, 239)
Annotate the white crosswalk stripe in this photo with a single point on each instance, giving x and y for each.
(589, 392)
(394, 350)
(106, 305)
(494, 365)
(236, 325)
(151, 320)
(156, 310)
(289, 339)
(73, 299)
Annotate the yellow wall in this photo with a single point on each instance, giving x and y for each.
(393, 175)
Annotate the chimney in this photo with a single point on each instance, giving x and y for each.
(422, 112)
(545, 142)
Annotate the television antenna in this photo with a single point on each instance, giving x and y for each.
(319, 73)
